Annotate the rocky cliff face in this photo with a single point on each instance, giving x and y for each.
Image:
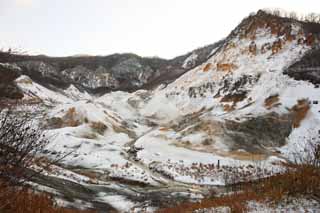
(308, 68)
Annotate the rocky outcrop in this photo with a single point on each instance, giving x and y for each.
(256, 134)
(307, 68)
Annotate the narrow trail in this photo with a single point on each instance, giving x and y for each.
(166, 183)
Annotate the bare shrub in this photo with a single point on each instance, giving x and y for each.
(271, 101)
(301, 178)
(228, 107)
(98, 127)
(293, 15)
(19, 145)
(70, 118)
(207, 67)
(307, 154)
(23, 200)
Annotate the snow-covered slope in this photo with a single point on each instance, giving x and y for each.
(237, 114)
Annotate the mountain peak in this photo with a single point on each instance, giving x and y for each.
(284, 26)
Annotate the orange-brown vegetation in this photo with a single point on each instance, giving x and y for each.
(242, 155)
(226, 67)
(290, 37)
(69, 118)
(271, 101)
(275, 28)
(300, 111)
(298, 180)
(164, 129)
(24, 200)
(99, 127)
(276, 46)
(235, 98)
(228, 107)
(207, 67)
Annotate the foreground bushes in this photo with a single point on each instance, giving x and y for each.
(23, 200)
(301, 179)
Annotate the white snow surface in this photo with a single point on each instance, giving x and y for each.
(127, 116)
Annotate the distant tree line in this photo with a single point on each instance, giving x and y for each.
(309, 18)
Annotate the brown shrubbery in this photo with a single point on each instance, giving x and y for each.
(233, 99)
(271, 101)
(300, 111)
(228, 107)
(300, 181)
(207, 67)
(69, 118)
(98, 127)
(226, 67)
(21, 143)
(23, 200)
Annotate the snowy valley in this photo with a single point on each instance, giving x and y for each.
(236, 116)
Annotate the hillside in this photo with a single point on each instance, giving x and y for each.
(101, 74)
(180, 130)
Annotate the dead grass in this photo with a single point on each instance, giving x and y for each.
(242, 155)
(226, 67)
(23, 200)
(271, 101)
(228, 107)
(234, 98)
(98, 127)
(207, 67)
(69, 118)
(300, 111)
(300, 180)
(164, 129)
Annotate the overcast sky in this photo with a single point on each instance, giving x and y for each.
(164, 28)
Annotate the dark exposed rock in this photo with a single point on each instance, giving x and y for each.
(258, 133)
(307, 68)
(230, 87)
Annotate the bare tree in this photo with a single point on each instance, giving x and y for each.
(20, 143)
(311, 17)
(318, 18)
(293, 15)
(310, 155)
(276, 12)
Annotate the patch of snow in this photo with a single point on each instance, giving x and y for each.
(118, 202)
(190, 61)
